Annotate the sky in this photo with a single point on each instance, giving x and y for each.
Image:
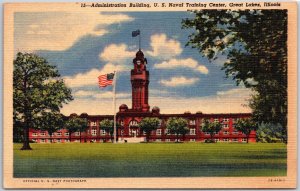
(87, 44)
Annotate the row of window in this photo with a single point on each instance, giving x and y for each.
(158, 132)
(134, 123)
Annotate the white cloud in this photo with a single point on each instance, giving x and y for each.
(116, 53)
(60, 32)
(182, 63)
(164, 48)
(179, 81)
(230, 101)
(91, 77)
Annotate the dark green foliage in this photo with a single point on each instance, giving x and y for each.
(37, 89)
(74, 124)
(50, 122)
(255, 43)
(270, 133)
(148, 125)
(178, 126)
(108, 126)
(211, 128)
(246, 126)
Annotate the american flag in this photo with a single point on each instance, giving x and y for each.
(106, 80)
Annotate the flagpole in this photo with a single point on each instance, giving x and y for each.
(114, 105)
(140, 41)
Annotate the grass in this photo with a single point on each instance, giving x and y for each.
(150, 160)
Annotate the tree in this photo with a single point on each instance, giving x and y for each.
(270, 133)
(255, 43)
(148, 125)
(74, 124)
(246, 126)
(50, 122)
(36, 89)
(108, 126)
(211, 128)
(177, 126)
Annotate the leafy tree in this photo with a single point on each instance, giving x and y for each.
(74, 124)
(50, 122)
(246, 126)
(270, 133)
(211, 128)
(36, 89)
(108, 126)
(177, 126)
(148, 125)
(255, 44)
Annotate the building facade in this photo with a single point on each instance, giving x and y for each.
(129, 118)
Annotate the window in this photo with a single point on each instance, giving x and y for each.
(42, 134)
(216, 132)
(225, 120)
(103, 132)
(94, 132)
(93, 123)
(235, 140)
(167, 140)
(58, 133)
(133, 123)
(77, 141)
(225, 140)
(77, 133)
(233, 125)
(42, 140)
(225, 132)
(67, 140)
(192, 140)
(58, 140)
(93, 141)
(158, 140)
(193, 131)
(244, 140)
(217, 140)
(225, 126)
(206, 133)
(235, 132)
(33, 140)
(216, 120)
(66, 134)
(158, 131)
(34, 134)
(193, 122)
(168, 132)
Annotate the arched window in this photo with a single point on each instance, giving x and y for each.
(133, 123)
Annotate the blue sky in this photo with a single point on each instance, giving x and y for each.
(84, 45)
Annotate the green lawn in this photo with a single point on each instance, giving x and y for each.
(150, 160)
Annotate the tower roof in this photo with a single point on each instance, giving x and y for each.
(139, 55)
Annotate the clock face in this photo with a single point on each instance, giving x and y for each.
(138, 62)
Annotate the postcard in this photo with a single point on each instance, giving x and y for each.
(136, 95)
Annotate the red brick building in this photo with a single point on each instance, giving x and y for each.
(129, 119)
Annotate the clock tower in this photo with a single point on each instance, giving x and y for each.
(140, 82)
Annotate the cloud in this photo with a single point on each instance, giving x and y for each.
(179, 81)
(99, 95)
(230, 101)
(182, 63)
(60, 31)
(116, 53)
(164, 48)
(91, 77)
